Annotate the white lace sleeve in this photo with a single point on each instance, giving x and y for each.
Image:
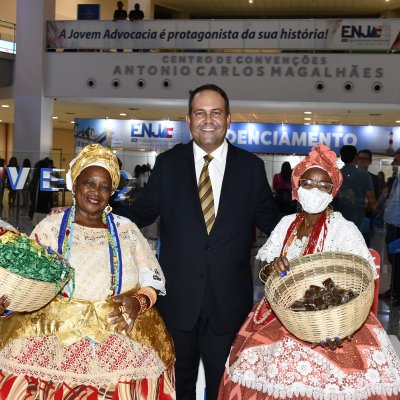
(347, 238)
(273, 245)
(150, 272)
(46, 231)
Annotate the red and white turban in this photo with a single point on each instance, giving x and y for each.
(320, 156)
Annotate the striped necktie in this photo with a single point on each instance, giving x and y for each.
(206, 194)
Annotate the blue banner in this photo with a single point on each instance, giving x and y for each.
(254, 137)
(299, 139)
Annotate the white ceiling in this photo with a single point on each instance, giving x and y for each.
(346, 114)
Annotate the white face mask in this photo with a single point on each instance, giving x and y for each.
(313, 200)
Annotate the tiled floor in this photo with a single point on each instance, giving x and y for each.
(389, 310)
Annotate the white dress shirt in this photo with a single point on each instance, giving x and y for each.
(216, 168)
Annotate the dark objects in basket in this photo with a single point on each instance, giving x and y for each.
(318, 298)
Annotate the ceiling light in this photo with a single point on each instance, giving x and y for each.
(250, 1)
(397, 122)
(307, 112)
(72, 122)
(122, 114)
(307, 119)
(2, 120)
(55, 117)
(5, 106)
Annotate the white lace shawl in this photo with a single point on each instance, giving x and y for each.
(342, 236)
(91, 259)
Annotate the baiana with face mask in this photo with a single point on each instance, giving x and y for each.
(271, 363)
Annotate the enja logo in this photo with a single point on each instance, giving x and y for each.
(361, 32)
(143, 129)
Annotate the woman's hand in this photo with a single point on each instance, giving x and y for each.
(332, 344)
(125, 313)
(281, 265)
(4, 303)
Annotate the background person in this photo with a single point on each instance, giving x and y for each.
(136, 14)
(356, 196)
(3, 180)
(25, 191)
(268, 362)
(382, 185)
(120, 14)
(282, 187)
(102, 338)
(41, 200)
(391, 217)
(12, 194)
(206, 264)
(364, 160)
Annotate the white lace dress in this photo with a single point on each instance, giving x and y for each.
(267, 362)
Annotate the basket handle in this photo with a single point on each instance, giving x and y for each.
(269, 268)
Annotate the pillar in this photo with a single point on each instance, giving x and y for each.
(33, 124)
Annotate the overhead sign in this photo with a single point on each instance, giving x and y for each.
(254, 137)
(327, 34)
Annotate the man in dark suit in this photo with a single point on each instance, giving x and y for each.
(208, 275)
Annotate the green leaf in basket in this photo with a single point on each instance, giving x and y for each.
(25, 257)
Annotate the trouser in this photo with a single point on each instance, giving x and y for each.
(201, 341)
(393, 233)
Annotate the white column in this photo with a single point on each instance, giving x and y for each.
(33, 124)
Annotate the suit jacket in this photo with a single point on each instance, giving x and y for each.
(200, 269)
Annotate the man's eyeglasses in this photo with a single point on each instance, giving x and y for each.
(322, 186)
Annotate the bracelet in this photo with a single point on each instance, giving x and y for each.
(143, 301)
(150, 293)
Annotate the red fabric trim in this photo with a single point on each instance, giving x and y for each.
(5, 390)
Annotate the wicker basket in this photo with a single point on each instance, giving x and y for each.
(347, 271)
(27, 294)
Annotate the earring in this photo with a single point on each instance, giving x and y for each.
(73, 200)
(108, 209)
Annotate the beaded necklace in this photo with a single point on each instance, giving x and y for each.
(65, 243)
(314, 235)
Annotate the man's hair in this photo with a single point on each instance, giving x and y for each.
(366, 151)
(348, 153)
(212, 87)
